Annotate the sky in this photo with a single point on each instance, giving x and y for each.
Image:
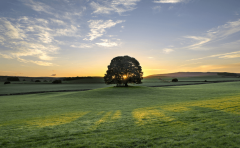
(68, 38)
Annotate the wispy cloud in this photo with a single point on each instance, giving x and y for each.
(108, 43)
(64, 13)
(154, 69)
(98, 27)
(229, 55)
(156, 8)
(169, 1)
(167, 50)
(109, 6)
(83, 45)
(26, 39)
(200, 41)
(41, 63)
(6, 56)
(9, 31)
(38, 6)
(215, 34)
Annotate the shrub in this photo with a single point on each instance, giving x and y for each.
(24, 80)
(45, 81)
(37, 81)
(7, 82)
(205, 81)
(174, 80)
(57, 81)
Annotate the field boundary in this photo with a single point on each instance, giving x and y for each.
(207, 82)
(36, 92)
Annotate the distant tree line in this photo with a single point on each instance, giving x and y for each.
(228, 74)
(13, 79)
(76, 78)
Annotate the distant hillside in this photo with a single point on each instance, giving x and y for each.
(184, 74)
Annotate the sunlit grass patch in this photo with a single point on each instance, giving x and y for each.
(116, 115)
(230, 105)
(144, 116)
(56, 120)
(105, 118)
(175, 108)
(101, 112)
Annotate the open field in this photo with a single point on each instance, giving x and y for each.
(27, 86)
(137, 116)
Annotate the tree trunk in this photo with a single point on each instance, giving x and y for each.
(126, 85)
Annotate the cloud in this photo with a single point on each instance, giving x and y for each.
(98, 27)
(156, 8)
(229, 55)
(107, 43)
(118, 6)
(167, 50)
(58, 22)
(27, 37)
(215, 34)
(54, 10)
(83, 45)
(10, 32)
(38, 6)
(35, 37)
(53, 75)
(41, 63)
(201, 41)
(169, 1)
(223, 67)
(154, 69)
(6, 56)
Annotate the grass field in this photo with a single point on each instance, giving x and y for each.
(137, 116)
(27, 86)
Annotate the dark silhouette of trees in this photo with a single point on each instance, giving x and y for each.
(57, 82)
(174, 80)
(13, 79)
(123, 70)
(37, 81)
(7, 82)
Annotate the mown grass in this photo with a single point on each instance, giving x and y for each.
(179, 116)
(27, 86)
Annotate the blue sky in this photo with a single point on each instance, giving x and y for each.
(80, 37)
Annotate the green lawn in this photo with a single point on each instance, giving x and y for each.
(137, 116)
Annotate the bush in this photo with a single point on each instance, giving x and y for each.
(45, 81)
(37, 81)
(57, 81)
(7, 82)
(175, 80)
(13, 79)
(24, 80)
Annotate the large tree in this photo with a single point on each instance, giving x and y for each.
(123, 70)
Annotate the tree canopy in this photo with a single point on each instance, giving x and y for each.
(123, 70)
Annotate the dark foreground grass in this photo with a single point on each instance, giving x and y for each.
(182, 116)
